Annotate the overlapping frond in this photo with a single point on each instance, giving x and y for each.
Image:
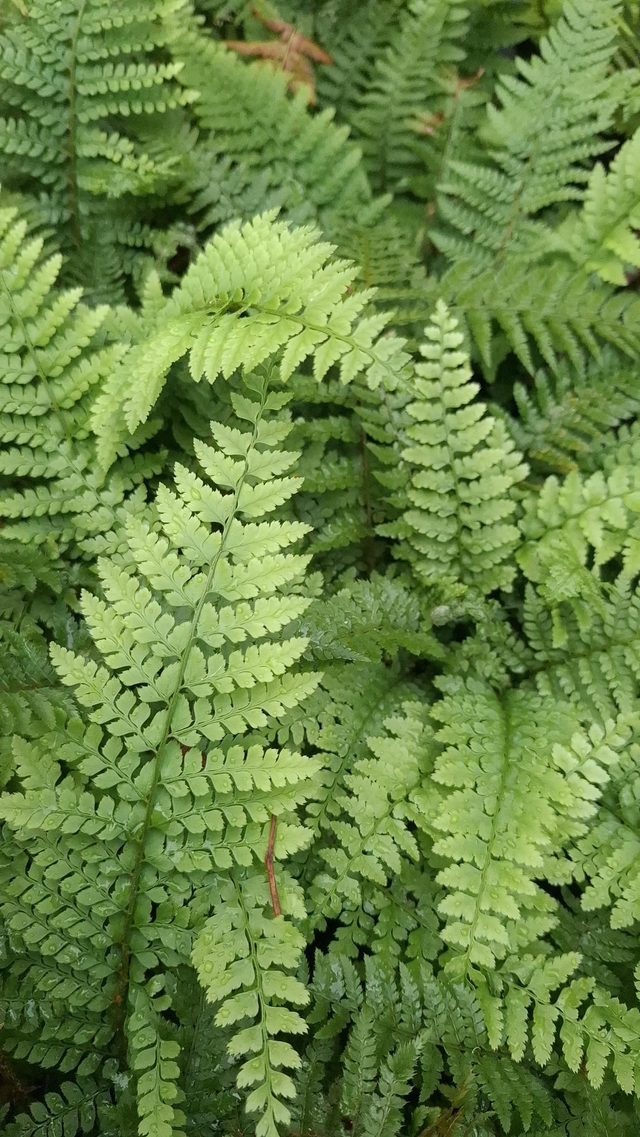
(76, 79)
(549, 123)
(55, 357)
(244, 957)
(257, 291)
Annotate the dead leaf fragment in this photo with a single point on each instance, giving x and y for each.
(292, 53)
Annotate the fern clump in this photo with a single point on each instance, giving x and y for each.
(319, 569)
(78, 80)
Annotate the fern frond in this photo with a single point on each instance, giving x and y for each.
(366, 621)
(187, 662)
(584, 653)
(607, 858)
(580, 521)
(257, 291)
(548, 124)
(72, 1109)
(593, 1028)
(30, 695)
(565, 422)
(602, 238)
(244, 958)
(270, 145)
(351, 704)
(462, 466)
(404, 83)
(530, 784)
(75, 80)
(356, 40)
(55, 358)
(379, 800)
(543, 314)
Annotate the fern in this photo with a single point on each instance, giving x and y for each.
(541, 315)
(257, 290)
(546, 128)
(565, 422)
(54, 360)
(404, 83)
(591, 662)
(76, 79)
(457, 527)
(166, 689)
(511, 811)
(261, 148)
(602, 237)
(382, 799)
(242, 950)
(320, 630)
(70, 1111)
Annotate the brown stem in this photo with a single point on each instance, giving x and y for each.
(268, 861)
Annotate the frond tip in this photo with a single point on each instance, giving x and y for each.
(244, 958)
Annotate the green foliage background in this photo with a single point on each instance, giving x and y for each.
(319, 554)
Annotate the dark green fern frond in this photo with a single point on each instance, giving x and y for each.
(260, 147)
(75, 79)
(405, 83)
(549, 123)
(73, 1109)
(30, 692)
(565, 422)
(542, 313)
(355, 38)
(592, 657)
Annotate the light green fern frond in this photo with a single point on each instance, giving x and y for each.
(257, 291)
(602, 238)
(519, 780)
(607, 858)
(461, 465)
(585, 652)
(54, 358)
(575, 526)
(244, 957)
